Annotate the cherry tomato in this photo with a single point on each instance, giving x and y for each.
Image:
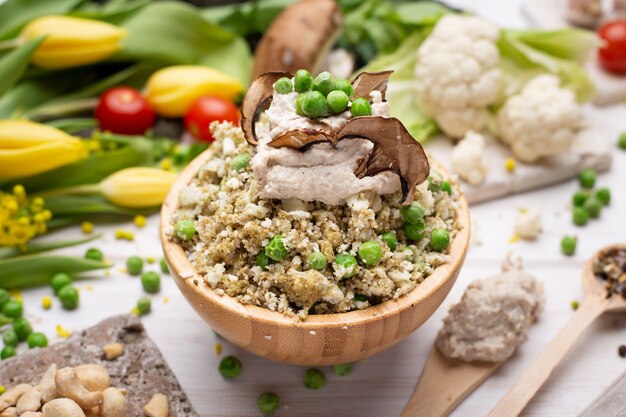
(206, 110)
(124, 110)
(612, 52)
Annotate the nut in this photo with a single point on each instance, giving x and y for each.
(113, 404)
(69, 385)
(9, 412)
(157, 406)
(113, 351)
(32, 414)
(10, 397)
(62, 407)
(46, 385)
(29, 401)
(93, 377)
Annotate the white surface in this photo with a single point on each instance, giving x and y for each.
(380, 386)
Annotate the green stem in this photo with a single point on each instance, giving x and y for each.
(77, 189)
(64, 108)
(10, 44)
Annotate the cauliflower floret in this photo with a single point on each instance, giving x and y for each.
(457, 73)
(540, 121)
(468, 159)
(528, 224)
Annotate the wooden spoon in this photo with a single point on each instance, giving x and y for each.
(594, 304)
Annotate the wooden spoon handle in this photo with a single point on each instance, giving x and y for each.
(512, 404)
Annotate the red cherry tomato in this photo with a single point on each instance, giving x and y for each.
(206, 110)
(612, 52)
(124, 110)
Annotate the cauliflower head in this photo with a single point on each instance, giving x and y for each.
(528, 224)
(457, 73)
(542, 120)
(468, 159)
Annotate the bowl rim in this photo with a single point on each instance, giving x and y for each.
(178, 262)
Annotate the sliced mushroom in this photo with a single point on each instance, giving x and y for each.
(300, 37)
(257, 99)
(366, 82)
(301, 138)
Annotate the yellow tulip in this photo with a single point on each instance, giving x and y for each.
(137, 187)
(172, 90)
(28, 148)
(72, 41)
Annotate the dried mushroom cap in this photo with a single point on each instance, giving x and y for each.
(257, 99)
(300, 37)
(366, 82)
(394, 150)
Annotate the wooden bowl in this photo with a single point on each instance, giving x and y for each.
(321, 339)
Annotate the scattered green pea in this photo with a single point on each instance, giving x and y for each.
(263, 260)
(283, 86)
(317, 261)
(579, 198)
(240, 162)
(568, 245)
(303, 81)
(324, 83)
(414, 232)
(390, 239)
(446, 187)
(9, 337)
(413, 214)
(134, 265)
(268, 402)
(144, 305)
(22, 328)
(587, 178)
(622, 141)
(230, 367)
(580, 216)
(151, 282)
(342, 369)
(337, 101)
(59, 281)
(574, 304)
(593, 207)
(439, 240)
(7, 352)
(36, 339)
(349, 264)
(370, 253)
(185, 229)
(604, 196)
(164, 268)
(69, 297)
(275, 248)
(360, 107)
(314, 104)
(344, 85)
(5, 296)
(314, 379)
(95, 254)
(13, 309)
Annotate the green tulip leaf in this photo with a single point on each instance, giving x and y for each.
(36, 246)
(14, 14)
(13, 64)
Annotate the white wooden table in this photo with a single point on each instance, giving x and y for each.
(380, 386)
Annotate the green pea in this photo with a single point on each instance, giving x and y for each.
(337, 101)
(414, 232)
(439, 239)
(622, 141)
(314, 104)
(240, 162)
(413, 214)
(317, 261)
(275, 248)
(164, 268)
(268, 402)
(360, 107)
(579, 198)
(587, 178)
(134, 265)
(349, 264)
(342, 369)
(185, 229)
(144, 305)
(13, 309)
(604, 196)
(344, 85)
(580, 216)
(151, 282)
(390, 239)
(283, 86)
(303, 81)
(435, 181)
(324, 83)
(5, 296)
(59, 281)
(593, 207)
(568, 245)
(370, 253)
(360, 298)
(69, 297)
(22, 328)
(7, 352)
(37, 339)
(263, 260)
(314, 379)
(9, 337)
(447, 187)
(95, 254)
(299, 101)
(230, 367)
